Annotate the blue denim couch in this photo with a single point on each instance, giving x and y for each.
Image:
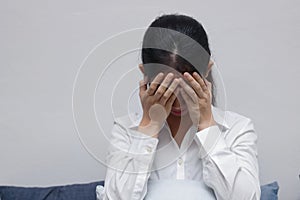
(87, 192)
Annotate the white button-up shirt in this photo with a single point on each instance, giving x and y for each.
(223, 156)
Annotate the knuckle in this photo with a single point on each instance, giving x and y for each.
(152, 87)
(198, 87)
(159, 92)
(165, 96)
(149, 91)
(163, 86)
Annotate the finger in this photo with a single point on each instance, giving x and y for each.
(208, 84)
(146, 79)
(200, 80)
(143, 85)
(187, 99)
(141, 67)
(172, 98)
(194, 84)
(156, 81)
(163, 86)
(189, 91)
(170, 90)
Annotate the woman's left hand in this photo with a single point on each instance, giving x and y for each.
(198, 97)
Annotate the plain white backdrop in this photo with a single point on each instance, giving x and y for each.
(43, 44)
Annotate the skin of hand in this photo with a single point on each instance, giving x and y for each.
(198, 97)
(157, 101)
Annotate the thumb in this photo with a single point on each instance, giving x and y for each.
(208, 84)
(143, 84)
(141, 66)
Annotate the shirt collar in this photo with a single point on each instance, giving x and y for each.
(219, 116)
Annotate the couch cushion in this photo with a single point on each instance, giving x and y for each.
(79, 191)
(87, 191)
(14, 193)
(269, 191)
(67, 192)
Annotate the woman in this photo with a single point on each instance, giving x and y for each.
(181, 135)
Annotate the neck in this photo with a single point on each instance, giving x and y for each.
(179, 124)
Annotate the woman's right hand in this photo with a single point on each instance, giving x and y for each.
(157, 102)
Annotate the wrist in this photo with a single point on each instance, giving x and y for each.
(205, 123)
(145, 121)
(149, 128)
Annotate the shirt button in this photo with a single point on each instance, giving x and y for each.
(148, 149)
(180, 161)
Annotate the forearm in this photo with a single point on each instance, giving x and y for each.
(231, 170)
(129, 169)
(230, 179)
(128, 184)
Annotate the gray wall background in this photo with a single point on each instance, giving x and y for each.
(43, 43)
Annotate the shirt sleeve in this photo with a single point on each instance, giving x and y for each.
(230, 168)
(129, 162)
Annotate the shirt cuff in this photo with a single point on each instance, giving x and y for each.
(142, 143)
(207, 140)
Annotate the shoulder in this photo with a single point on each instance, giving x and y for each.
(121, 133)
(234, 118)
(228, 118)
(240, 128)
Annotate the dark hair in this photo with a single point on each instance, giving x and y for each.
(185, 25)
